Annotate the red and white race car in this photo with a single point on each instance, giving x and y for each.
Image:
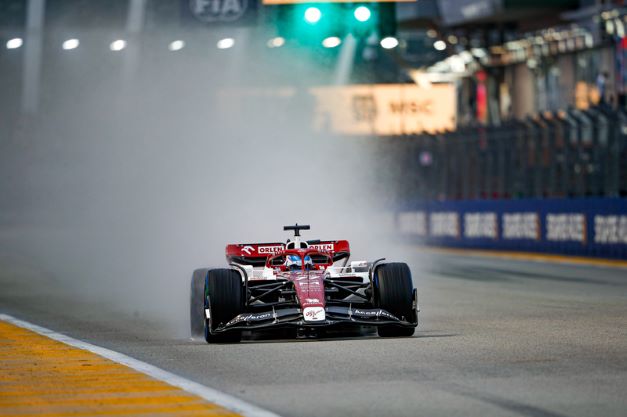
(309, 286)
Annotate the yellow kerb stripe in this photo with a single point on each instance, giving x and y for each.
(40, 376)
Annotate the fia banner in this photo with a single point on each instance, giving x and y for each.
(219, 12)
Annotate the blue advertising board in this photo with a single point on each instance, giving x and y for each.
(581, 227)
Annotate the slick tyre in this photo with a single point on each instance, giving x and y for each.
(394, 290)
(196, 303)
(224, 299)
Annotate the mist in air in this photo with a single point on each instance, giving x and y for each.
(130, 178)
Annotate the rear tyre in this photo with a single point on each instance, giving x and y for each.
(196, 303)
(394, 290)
(224, 299)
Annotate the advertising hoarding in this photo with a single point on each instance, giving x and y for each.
(385, 109)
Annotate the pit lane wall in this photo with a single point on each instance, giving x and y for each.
(594, 227)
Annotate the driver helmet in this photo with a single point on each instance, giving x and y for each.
(294, 262)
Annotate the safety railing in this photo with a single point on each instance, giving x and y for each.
(554, 183)
(567, 154)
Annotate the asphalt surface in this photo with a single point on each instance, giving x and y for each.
(496, 338)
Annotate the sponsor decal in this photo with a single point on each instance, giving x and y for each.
(480, 225)
(325, 247)
(444, 224)
(525, 225)
(359, 312)
(413, 223)
(312, 301)
(269, 250)
(250, 317)
(248, 250)
(372, 313)
(566, 227)
(610, 229)
(388, 315)
(404, 106)
(313, 314)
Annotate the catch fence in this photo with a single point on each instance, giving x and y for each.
(554, 155)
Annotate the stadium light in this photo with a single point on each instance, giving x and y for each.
(70, 44)
(331, 42)
(176, 45)
(362, 13)
(117, 45)
(14, 43)
(313, 15)
(225, 43)
(439, 45)
(389, 42)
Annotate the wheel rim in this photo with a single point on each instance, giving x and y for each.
(206, 321)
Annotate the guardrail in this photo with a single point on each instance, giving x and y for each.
(594, 227)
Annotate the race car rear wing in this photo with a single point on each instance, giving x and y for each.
(255, 254)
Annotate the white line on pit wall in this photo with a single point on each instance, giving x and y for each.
(234, 404)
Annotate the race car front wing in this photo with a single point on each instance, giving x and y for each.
(335, 315)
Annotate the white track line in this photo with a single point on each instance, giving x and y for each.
(209, 394)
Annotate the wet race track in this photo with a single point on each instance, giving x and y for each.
(496, 338)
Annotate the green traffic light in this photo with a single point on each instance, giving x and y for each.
(312, 15)
(362, 13)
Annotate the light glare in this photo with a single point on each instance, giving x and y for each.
(362, 13)
(439, 45)
(118, 45)
(389, 42)
(14, 43)
(176, 45)
(226, 43)
(70, 44)
(276, 42)
(313, 15)
(331, 42)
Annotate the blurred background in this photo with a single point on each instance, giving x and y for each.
(138, 137)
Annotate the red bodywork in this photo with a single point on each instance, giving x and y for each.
(257, 253)
(308, 283)
(261, 251)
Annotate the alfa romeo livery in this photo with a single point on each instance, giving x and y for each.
(306, 285)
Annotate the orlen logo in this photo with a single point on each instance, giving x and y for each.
(314, 313)
(269, 250)
(327, 247)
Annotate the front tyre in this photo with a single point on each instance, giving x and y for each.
(394, 293)
(196, 303)
(223, 297)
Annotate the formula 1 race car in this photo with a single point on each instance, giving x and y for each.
(298, 285)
